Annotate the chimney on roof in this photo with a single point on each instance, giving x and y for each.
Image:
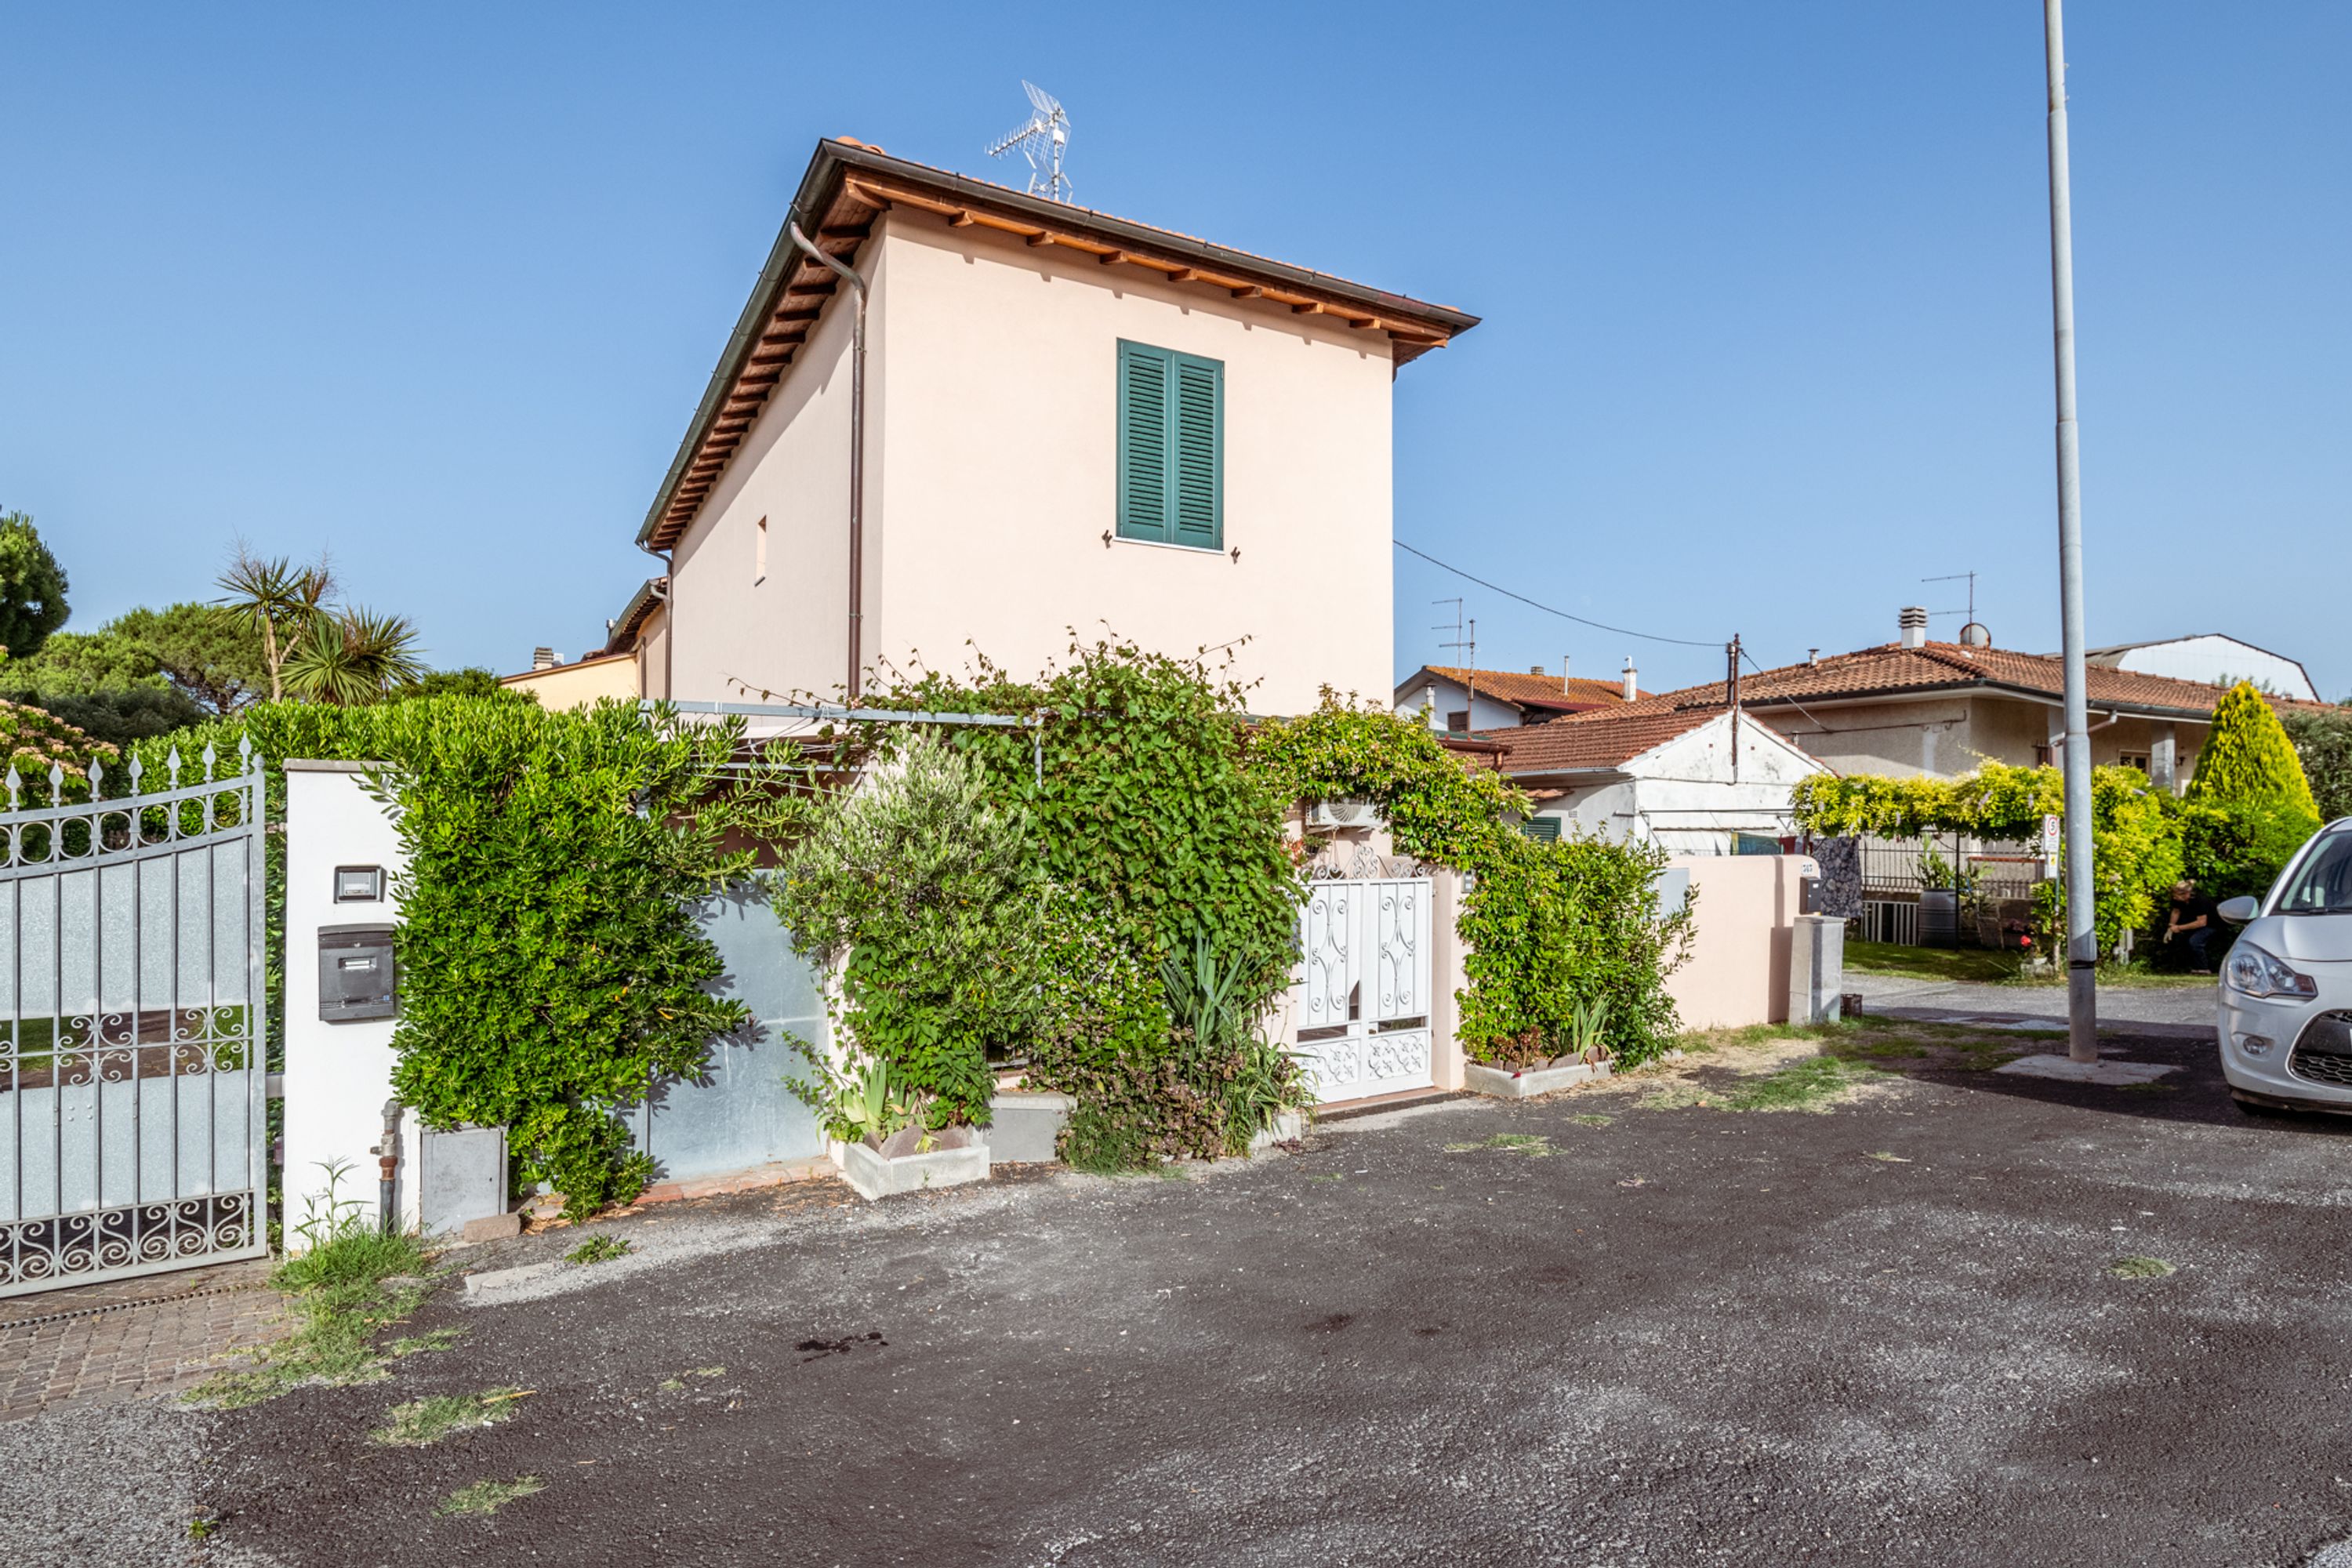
(1633, 692)
(544, 658)
(1914, 620)
(1812, 656)
(1566, 687)
(1535, 670)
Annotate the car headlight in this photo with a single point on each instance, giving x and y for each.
(2254, 973)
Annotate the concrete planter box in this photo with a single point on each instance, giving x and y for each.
(1024, 1125)
(877, 1175)
(1504, 1083)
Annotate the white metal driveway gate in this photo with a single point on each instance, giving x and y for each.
(1364, 972)
(132, 1079)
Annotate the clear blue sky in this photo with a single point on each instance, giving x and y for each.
(1765, 290)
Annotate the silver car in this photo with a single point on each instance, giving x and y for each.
(2286, 986)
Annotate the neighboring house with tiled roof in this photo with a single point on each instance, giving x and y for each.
(1064, 421)
(1919, 708)
(1467, 701)
(1697, 779)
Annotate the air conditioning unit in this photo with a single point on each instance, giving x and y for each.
(1329, 815)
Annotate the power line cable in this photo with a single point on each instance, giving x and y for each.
(1790, 701)
(1548, 610)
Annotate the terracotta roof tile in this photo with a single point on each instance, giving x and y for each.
(1531, 690)
(1597, 740)
(1892, 667)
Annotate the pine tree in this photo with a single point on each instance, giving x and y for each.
(2248, 760)
(31, 588)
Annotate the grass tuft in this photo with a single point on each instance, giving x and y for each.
(1592, 1118)
(353, 1282)
(2140, 1268)
(489, 1497)
(598, 1249)
(1983, 965)
(1534, 1145)
(428, 1420)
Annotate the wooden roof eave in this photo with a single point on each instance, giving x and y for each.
(775, 325)
(1412, 337)
(856, 185)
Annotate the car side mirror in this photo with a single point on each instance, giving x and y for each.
(2238, 911)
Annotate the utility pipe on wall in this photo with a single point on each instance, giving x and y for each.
(857, 452)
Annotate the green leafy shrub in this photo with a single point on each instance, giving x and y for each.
(1134, 785)
(36, 740)
(552, 967)
(1554, 927)
(1206, 1085)
(1147, 835)
(116, 717)
(2323, 743)
(927, 891)
(2136, 834)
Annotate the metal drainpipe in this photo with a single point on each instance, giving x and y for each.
(388, 1164)
(669, 620)
(857, 452)
(669, 626)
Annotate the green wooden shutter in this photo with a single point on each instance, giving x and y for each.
(1171, 456)
(1199, 492)
(1542, 829)
(1143, 466)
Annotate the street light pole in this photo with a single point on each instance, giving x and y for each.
(2082, 939)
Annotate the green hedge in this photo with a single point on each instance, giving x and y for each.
(552, 967)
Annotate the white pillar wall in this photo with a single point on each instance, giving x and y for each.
(338, 1075)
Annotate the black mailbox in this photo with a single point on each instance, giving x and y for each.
(355, 973)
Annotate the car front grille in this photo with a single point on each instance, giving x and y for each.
(2323, 1054)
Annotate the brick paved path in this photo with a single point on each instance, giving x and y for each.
(147, 1335)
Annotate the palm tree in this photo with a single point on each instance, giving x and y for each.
(354, 657)
(285, 603)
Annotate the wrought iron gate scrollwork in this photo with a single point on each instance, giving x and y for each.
(1363, 1009)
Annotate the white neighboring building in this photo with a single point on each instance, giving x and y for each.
(1668, 776)
(2211, 658)
(1463, 701)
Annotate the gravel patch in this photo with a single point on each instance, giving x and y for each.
(85, 1484)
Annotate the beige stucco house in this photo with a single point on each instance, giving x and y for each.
(563, 684)
(1065, 421)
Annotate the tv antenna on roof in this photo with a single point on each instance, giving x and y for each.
(1042, 141)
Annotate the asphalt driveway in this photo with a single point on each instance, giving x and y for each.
(1575, 1330)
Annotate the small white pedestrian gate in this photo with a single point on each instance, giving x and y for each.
(1363, 1005)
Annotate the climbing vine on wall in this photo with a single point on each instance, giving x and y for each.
(551, 966)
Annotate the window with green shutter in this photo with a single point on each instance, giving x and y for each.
(1171, 446)
(1542, 829)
